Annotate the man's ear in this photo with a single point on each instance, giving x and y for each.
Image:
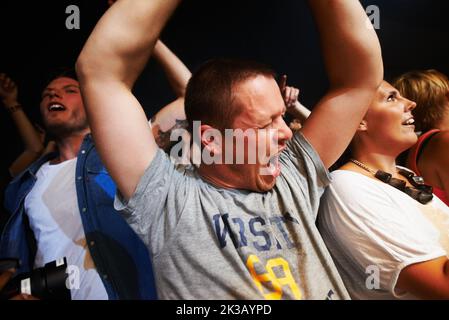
(211, 140)
(363, 126)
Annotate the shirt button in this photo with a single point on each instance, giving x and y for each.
(84, 209)
(92, 243)
(80, 178)
(105, 276)
(83, 151)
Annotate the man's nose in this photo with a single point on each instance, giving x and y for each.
(284, 133)
(55, 93)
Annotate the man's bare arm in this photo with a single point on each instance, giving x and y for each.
(109, 64)
(172, 116)
(176, 71)
(353, 61)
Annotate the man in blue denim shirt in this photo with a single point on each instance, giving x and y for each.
(62, 205)
(117, 262)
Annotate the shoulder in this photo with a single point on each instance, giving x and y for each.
(304, 158)
(440, 137)
(437, 149)
(354, 191)
(350, 180)
(344, 186)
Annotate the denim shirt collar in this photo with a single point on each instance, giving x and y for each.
(35, 166)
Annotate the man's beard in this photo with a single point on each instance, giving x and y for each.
(61, 130)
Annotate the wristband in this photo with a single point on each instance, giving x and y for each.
(14, 108)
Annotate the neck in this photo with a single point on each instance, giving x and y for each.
(413, 186)
(68, 147)
(386, 163)
(219, 176)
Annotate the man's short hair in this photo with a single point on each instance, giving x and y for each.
(210, 92)
(429, 90)
(63, 72)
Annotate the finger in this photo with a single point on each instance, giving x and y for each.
(296, 94)
(293, 96)
(287, 94)
(283, 83)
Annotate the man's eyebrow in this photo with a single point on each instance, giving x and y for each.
(65, 87)
(71, 85)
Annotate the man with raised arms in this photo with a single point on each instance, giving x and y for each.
(229, 231)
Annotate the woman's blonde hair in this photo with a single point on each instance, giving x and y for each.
(429, 89)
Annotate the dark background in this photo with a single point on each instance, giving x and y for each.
(35, 41)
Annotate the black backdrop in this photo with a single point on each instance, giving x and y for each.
(34, 41)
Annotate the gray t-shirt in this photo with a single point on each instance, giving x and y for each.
(212, 243)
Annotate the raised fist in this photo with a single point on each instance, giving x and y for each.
(8, 90)
(290, 94)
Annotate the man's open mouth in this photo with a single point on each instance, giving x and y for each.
(273, 166)
(56, 107)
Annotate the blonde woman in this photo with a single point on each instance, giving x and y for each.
(386, 231)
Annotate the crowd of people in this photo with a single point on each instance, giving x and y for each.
(315, 209)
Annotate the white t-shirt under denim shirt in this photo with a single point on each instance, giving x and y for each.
(214, 243)
(52, 208)
(374, 231)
